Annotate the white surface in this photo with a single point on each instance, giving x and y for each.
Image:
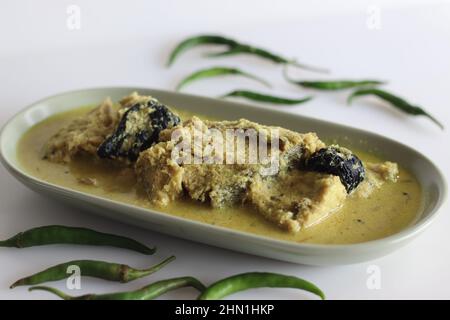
(128, 44)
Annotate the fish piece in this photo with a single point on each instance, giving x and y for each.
(83, 135)
(297, 199)
(377, 174)
(217, 182)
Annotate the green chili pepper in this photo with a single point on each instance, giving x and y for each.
(334, 85)
(72, 235)
(337, 85)
(265, 98)
(196, 41)
(215, 72)
(252, 280)
(233, 47)
(237, 49)
(148, 292)
(242, 48)
(92, 268)
(396, 102)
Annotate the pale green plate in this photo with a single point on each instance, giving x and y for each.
(429, 176)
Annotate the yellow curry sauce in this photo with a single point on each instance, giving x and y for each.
(387, 210)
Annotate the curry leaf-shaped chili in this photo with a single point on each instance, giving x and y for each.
(217, 72)
(253, 280)
(234, 47)
(91, 268)
(148, 292)
(255, 96)
(56, 234)
(396, 102)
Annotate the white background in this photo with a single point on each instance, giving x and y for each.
(126, 43)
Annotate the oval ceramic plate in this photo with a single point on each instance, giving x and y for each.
(427, 173)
